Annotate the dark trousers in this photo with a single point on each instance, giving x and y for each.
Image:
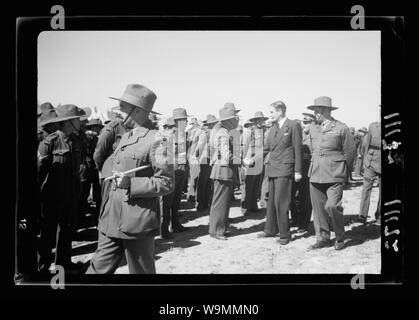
(369, 176)
(264, 189)
(279, 202)
(302, 205)
(204, 187)
(249, 192)
(138, 252)
(171, 203)
(326, 199)
(220, 207)
(57, 228)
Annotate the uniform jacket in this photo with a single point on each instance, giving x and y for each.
(108, 140)
(132, 213)
(254, 150)
(333, 153)
(285, 148)
(372, 147)
(59, 159)
(224, 163)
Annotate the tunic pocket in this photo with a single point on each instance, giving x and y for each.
(60, 156)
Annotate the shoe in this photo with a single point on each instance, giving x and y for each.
(319, 244)
(283, 241)
(361, 219)
(339, 245)
(179, 228)
(263, 234)
(219, 237)
(167, 235)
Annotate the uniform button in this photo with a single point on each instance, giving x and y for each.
(117, 162)
(122, 149)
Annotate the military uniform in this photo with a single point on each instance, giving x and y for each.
(108, 140)
(129, 217)
(222, 173)
(59, 175)
(372, 168)
(333, 154)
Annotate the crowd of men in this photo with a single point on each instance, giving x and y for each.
(137, 169)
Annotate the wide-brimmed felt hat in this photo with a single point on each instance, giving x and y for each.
(308, 117)
(85, 113)
(47, 117)
(44, 108)
(363, 129)
(94, 122)
(210, 119)
(66, 112)
(139, 96)
(248, 123)
(258, 115)
(229, 111)
(179, 114)
(322, 101)
(169, 122)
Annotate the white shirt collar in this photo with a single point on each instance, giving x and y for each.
(281, 122)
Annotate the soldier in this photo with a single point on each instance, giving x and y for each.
(204, 189)
(372, 170)
(46, 112)
(253, 149)
(129, 219)
(193, 134)
(171, 202)
(59, 165)
(285, 164)
(223, 170)
(93, 128)
(360, 153)
(333, 153)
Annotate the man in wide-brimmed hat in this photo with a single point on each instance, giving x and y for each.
(372, 170)
(225, 160)
(253, 151)
(129, 218)
(203, 152)
(284, 145)
(46, 112)
(333, 154)
(171, 201)
(59, 158)
(359, 138)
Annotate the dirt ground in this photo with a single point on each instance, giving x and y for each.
(194, 252)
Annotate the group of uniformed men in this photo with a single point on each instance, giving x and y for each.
(139, 172)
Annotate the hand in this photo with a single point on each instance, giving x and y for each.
(248, 162)
(122, 181)
(297, 176)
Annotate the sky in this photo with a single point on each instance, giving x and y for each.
(202, 70)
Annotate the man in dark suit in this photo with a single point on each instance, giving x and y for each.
(333, 154)
(372, 170)
(284, 143)
(129, 220)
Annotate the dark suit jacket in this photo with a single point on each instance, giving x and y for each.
(285, 148)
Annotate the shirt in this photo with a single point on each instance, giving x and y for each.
(281, 122)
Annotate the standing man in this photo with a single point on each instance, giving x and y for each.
(46, 112)
(372, 170)
(285, 164)
(59, 159)
(129, 220)
(360, 153)
(254, 151)
(223, 171)
(332, 158)
(171, 201)
(203, 154)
